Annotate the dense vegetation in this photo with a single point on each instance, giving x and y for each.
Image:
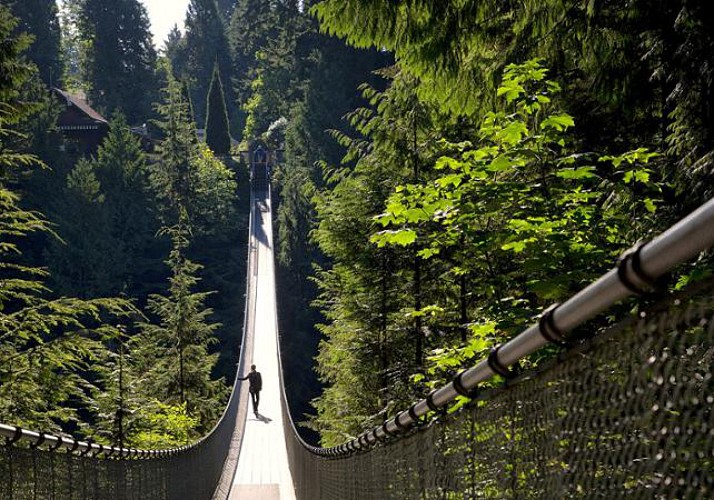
(447, 170)
(518, 149)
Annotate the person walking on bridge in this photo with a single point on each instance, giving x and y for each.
(255, 382)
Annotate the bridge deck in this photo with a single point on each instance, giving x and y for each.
(262, 471)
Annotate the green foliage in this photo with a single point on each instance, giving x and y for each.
(639, 75)
(172, 355)
(204, 45)
(40, 19)
(164, 426)
(117, 57)
(48, 346)
(515, 205)
(104, 220)
(369, 298)
(217, 135)
(503, 219)
(187, 178)
(69, 363)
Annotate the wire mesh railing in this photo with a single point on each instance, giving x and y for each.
(38, 466)
(627, 413)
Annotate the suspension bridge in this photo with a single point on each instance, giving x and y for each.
(625, 411)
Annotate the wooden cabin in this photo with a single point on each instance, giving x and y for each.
(83, 128)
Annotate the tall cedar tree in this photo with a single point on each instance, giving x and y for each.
(173, 354)
(47, 345)
(205, 46)
(333, 72)
(637, 75)
(252, 24)
(40, 19)
(274, 80)
(186, 177)
(171, 171)
(118, 60)
(217, 129)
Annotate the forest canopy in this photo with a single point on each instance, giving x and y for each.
(445, 171)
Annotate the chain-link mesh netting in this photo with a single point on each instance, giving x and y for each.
(628, 413)
(34, 473)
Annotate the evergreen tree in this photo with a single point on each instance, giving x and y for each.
(252, 24)
(205, 46)
(47, 345)
(105, 221)
(173, 354)
(122, 170)
(170, 173)
(84, 261)
(119, 58)
(333, 72)
(40, 19)
(217, 129)
(225, 9)
(381, 294)
(174, 48)
(186, 177)
(274, 82)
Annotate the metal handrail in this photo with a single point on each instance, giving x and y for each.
(14, 434)
(637, 272)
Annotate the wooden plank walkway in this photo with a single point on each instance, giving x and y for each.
(262, 472)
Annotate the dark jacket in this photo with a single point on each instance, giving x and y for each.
(255, 381)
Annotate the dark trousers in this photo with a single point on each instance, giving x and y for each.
(255, 396)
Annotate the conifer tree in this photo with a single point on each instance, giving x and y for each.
(186, 177)
(118, 59)
(205, 45)
(171, 171)
(105, 219)
(173, 354)
(40, 19)
(217, 129)
(47, 345)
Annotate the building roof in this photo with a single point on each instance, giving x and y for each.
(90, 115)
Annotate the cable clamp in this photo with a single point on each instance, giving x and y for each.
(547, 328)
(430, 402)
(15, 437)
(386, 431)
(376, 438)
(87, 449)
(461, 389)
(633, 277)
(412, 414)
(499, 368)
(40, 440)
(401, 426)
(73, 448)
(57, 444)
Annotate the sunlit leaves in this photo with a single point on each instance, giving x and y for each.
(585, 172)
(511, 207)
(559, 122)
